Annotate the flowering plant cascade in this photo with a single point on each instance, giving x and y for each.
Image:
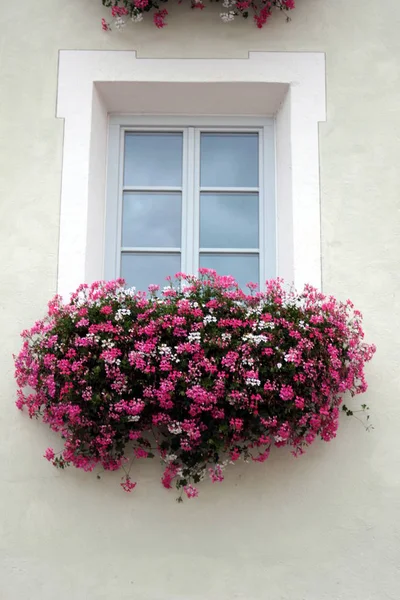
(202, 374)
(135, 9)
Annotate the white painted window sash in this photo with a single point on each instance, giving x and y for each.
(190, 189)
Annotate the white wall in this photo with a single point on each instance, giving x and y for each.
(323, 527)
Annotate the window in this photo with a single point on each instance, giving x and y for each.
(94, 87)
(188, 197)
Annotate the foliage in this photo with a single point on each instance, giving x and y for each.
(201, 374)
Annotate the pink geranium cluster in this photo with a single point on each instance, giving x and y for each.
(134, 9)
(201, 374)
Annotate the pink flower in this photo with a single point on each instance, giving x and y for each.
(49, 454)
(83, 323)
(128, 485)
(289, 4)
(236, 424)
(169, 474)
(190, 491)
(19, 403)
(153, 288)
(140, 453)
(105, 26)
(118, 11)
(262, 457)
(286, 392)
(235, 455)
(216, 474)
(159, 20)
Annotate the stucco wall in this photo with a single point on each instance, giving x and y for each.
(325, 526)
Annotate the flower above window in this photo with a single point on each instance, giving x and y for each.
(122, 10)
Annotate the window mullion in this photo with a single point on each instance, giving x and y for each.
(185, 204)
(189, 220)
(196, 201)
(262, 212)
(267, 171)
(120, 203)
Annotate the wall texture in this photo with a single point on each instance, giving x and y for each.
(323, 527)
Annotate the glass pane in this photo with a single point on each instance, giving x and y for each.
(229, 220)
(229, 159)
(151, 219)
(153, 159)
(243, 267)
(142, 269)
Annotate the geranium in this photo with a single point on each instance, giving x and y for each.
(202, 374)
(134, 9)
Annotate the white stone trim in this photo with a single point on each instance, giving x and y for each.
(81, 104)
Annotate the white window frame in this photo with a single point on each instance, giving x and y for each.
(191, 129)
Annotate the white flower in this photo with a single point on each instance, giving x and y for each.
(174, 428)
(248, 361)
(137, 18)
(279, 365)
(107, 344)
(209, 319)
(228, 3)
(253, 311)
(227, 17)
(253, 382)
(94, 338)
(119, 315)
(81, 299)
(194, 336)
(165, 350)
(256, 339)
(171, 457)
(130, 291)
(119, 23)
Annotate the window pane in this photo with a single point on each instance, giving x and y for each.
(243, 267)
(151, 219)
(229, 221)
(229, 160)
(142, 269)
(153, 159)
